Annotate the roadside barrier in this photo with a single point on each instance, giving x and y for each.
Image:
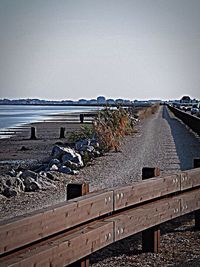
(192, 121)
(69, 232)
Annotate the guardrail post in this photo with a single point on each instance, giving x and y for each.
(151, 237)
(196, 164)
(73, 191)
(81, 118)
(33, 133)
(62, 132)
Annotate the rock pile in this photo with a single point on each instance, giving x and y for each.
(63, 160)
(26, 181)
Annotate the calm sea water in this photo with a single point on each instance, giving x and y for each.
(15, 115)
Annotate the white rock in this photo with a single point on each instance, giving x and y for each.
(54, 167)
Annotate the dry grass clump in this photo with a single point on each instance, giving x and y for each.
(145, 113)
(110, 126)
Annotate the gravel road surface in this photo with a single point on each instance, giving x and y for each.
(165, 142)
(162, 141)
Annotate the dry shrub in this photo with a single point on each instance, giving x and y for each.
(110, 126)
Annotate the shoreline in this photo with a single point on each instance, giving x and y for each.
(21, 151)
(12, 126)
(37, 151)
(47, 132)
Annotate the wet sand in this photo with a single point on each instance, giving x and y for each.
(19, 149)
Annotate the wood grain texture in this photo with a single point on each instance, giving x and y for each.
(190, 179)
(18, 232)
(162, 206)
(65, 248)
(68, 247)
(190, 201)
(145, 190)
(145, 216)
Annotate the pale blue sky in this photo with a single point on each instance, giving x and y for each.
(135, 49)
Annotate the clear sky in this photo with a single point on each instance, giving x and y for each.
(70, 49)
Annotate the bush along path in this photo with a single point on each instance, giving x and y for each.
(108, 128)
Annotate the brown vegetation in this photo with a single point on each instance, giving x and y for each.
(110, 126)
(146, 112)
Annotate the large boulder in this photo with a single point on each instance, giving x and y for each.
(86, 145)
(76, 159)
(31, 185)
(51, 175)
(31, 174)
(10, 181)
(65, 169)
(59, 151)
(9, 192)
(82, 143)
(54, 162)
(71, 165)
(54, 167)
(12, 173)
(19, 185)
(10, 186)
(88, 148)
(94, 143)
(66, 153)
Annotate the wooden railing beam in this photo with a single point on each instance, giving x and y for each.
(76, 228)
(70, 246)
(196, 164)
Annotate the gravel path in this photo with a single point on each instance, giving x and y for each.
(165, 142)
(162, 141)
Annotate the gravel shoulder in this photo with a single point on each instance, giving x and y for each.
(161, 141)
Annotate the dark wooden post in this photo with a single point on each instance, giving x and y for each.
(77, 190)
(196, 164)
(151, 237)
(73, 191)
(62, 132)
(81, 118)
(33, 133)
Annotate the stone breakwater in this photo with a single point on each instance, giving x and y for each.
(63, 159)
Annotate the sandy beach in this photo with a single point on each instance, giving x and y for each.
(47, 133)
(19, 150)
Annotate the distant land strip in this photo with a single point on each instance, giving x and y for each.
(139, 104)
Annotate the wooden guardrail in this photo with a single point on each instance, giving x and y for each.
(192, 121)
(67, 232)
